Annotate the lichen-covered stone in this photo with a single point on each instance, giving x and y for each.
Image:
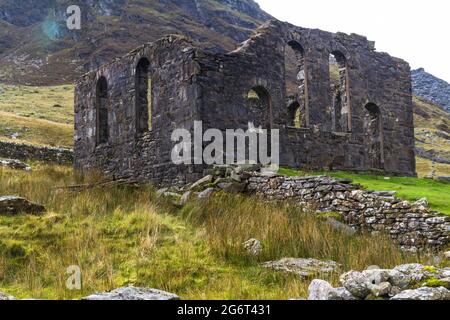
(253, 246)
(133, 293)
(340, 294)
(305, 268)
(405, 282)
(424, 293)
(319, 290)
(356, 283)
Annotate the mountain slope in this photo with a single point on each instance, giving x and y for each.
(36, 47)
(429, 87)
(432, 131)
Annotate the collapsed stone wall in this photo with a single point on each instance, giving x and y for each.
(27, 152)
(412, 225)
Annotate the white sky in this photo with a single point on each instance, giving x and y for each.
(415, 30)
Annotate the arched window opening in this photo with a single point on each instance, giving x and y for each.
(373, 137)
(296, 78)
(340, 106)
(143, 99)
(260, 107)
(102, 110)
(296, 115)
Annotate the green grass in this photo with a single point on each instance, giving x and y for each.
(123, 235)
(35, 131)
(39, 115)
(54, 103)
(437, 193)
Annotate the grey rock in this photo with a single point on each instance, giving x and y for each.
(341, 226)
(381, 290)
(14, 164)
(424, 293)
(253, 246)
(384, 193)
(13, 205)
(319, 290)
(445, 282)
(305, 268)
(206, 194)
(443, 179)
(394, 277)
(233, 187)
(133, 293)
(356, 283)
(431, 88)
(248, 168)
(340, 294)
(6, 297)
(417, 272)
(202, 183)
(222, 171)
(161, 192)
(185, 198)
(421, 202)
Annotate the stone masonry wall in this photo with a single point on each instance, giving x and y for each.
(127, 154)
(26, 152)
(373, 78)
(412, 225)
(189, 84)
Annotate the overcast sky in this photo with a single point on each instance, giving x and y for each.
(415, 30)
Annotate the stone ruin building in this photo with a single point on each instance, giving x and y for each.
(338, 103)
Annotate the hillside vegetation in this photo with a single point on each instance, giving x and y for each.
(37, 115)
(123, 235)
(432, 136)
(36, 47)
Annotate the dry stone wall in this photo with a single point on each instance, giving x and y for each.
(26, 152)
(412, 225)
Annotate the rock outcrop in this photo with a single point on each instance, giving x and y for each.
(429, 87)
(305, 268)
(405, 282)
(425, 293)
(12, 205)
(133, 293)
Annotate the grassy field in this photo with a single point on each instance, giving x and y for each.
(425, 168)
(37, 115)
(35, 131)
(437, 193)
(121, 236)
